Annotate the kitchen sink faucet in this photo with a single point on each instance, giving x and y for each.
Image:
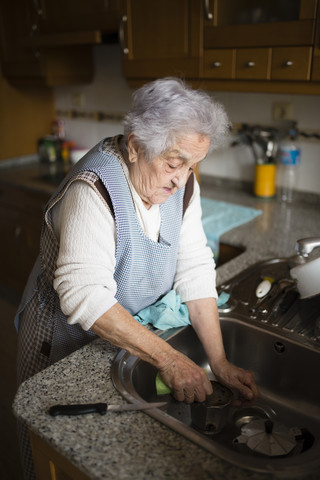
(305, 246)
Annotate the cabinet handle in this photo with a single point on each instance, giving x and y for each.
(125, 50)
(216, 64)
(250, 64)
(17, 232)
(208, 14)
(288, 63)
(38, 7)
(33, 30)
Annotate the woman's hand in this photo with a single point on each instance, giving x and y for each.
(204, 317)
(239, 379)
(187, 380)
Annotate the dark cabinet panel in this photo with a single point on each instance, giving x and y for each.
(49, 42)
(160, 38)
(20, 230)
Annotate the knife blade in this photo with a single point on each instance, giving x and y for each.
(102, 408)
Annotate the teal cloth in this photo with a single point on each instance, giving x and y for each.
(220, 217)
(169, 312)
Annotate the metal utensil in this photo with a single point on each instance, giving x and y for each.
(102, 408)
(211, 415)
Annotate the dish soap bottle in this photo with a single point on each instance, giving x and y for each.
(289, 159)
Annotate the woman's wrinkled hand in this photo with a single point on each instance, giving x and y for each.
(239, 379)
(187, 380)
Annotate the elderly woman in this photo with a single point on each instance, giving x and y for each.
(123, 229)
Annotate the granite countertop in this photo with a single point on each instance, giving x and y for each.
(132, 445)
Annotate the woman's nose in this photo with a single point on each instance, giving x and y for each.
(181, 177)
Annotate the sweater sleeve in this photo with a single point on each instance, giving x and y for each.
(86, 232)
(195, 275)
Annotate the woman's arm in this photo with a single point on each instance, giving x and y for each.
(204, 317)
(195, 274)
(187, 380)
(84, 278)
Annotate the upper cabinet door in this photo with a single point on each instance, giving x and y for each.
(48, 42)
(263, 23)
(160, 38)
(274, 45)
(55, 16)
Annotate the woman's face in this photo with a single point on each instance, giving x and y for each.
(157, 180)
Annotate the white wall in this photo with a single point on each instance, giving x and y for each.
(110, 93)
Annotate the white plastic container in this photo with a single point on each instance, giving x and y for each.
(308, 278)
(77, 153)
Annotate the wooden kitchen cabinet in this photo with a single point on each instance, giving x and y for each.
(253, 63)
(51, 465)
(292, 63)
(272, 43)
(240, 45)
(49, 42)
(160, 38)
(219, 63)
(259, 23)
(20, 229)
(55, 16)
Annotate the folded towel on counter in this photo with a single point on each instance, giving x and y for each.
(220, 217)
(169, 312)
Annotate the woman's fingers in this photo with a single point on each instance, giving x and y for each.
(241, 380)
(187, 380)
(190, 383)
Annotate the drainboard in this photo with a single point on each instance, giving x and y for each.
(283, 363)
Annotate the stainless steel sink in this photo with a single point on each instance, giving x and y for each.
(273, 342)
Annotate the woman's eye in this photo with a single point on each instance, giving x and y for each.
(173, 167)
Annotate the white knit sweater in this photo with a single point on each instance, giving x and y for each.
(86, 232)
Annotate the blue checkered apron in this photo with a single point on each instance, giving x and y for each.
(144, 270)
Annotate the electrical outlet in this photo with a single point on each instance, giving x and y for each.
(282, 111)
(78, 99)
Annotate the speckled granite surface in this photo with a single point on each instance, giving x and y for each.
(132, 445)
(127, 445)
(272, 234)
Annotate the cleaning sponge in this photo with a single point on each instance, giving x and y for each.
(161, 387)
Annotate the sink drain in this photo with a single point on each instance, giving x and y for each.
(279, 347)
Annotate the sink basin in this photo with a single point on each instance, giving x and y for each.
(228, 252)
(282, 359)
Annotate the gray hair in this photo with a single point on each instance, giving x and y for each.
(167, 108)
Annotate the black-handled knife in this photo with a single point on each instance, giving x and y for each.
(102, 408)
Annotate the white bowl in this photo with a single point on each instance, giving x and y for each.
(77, 153)
(308, 278)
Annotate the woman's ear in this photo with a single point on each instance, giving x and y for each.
(132, 148)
